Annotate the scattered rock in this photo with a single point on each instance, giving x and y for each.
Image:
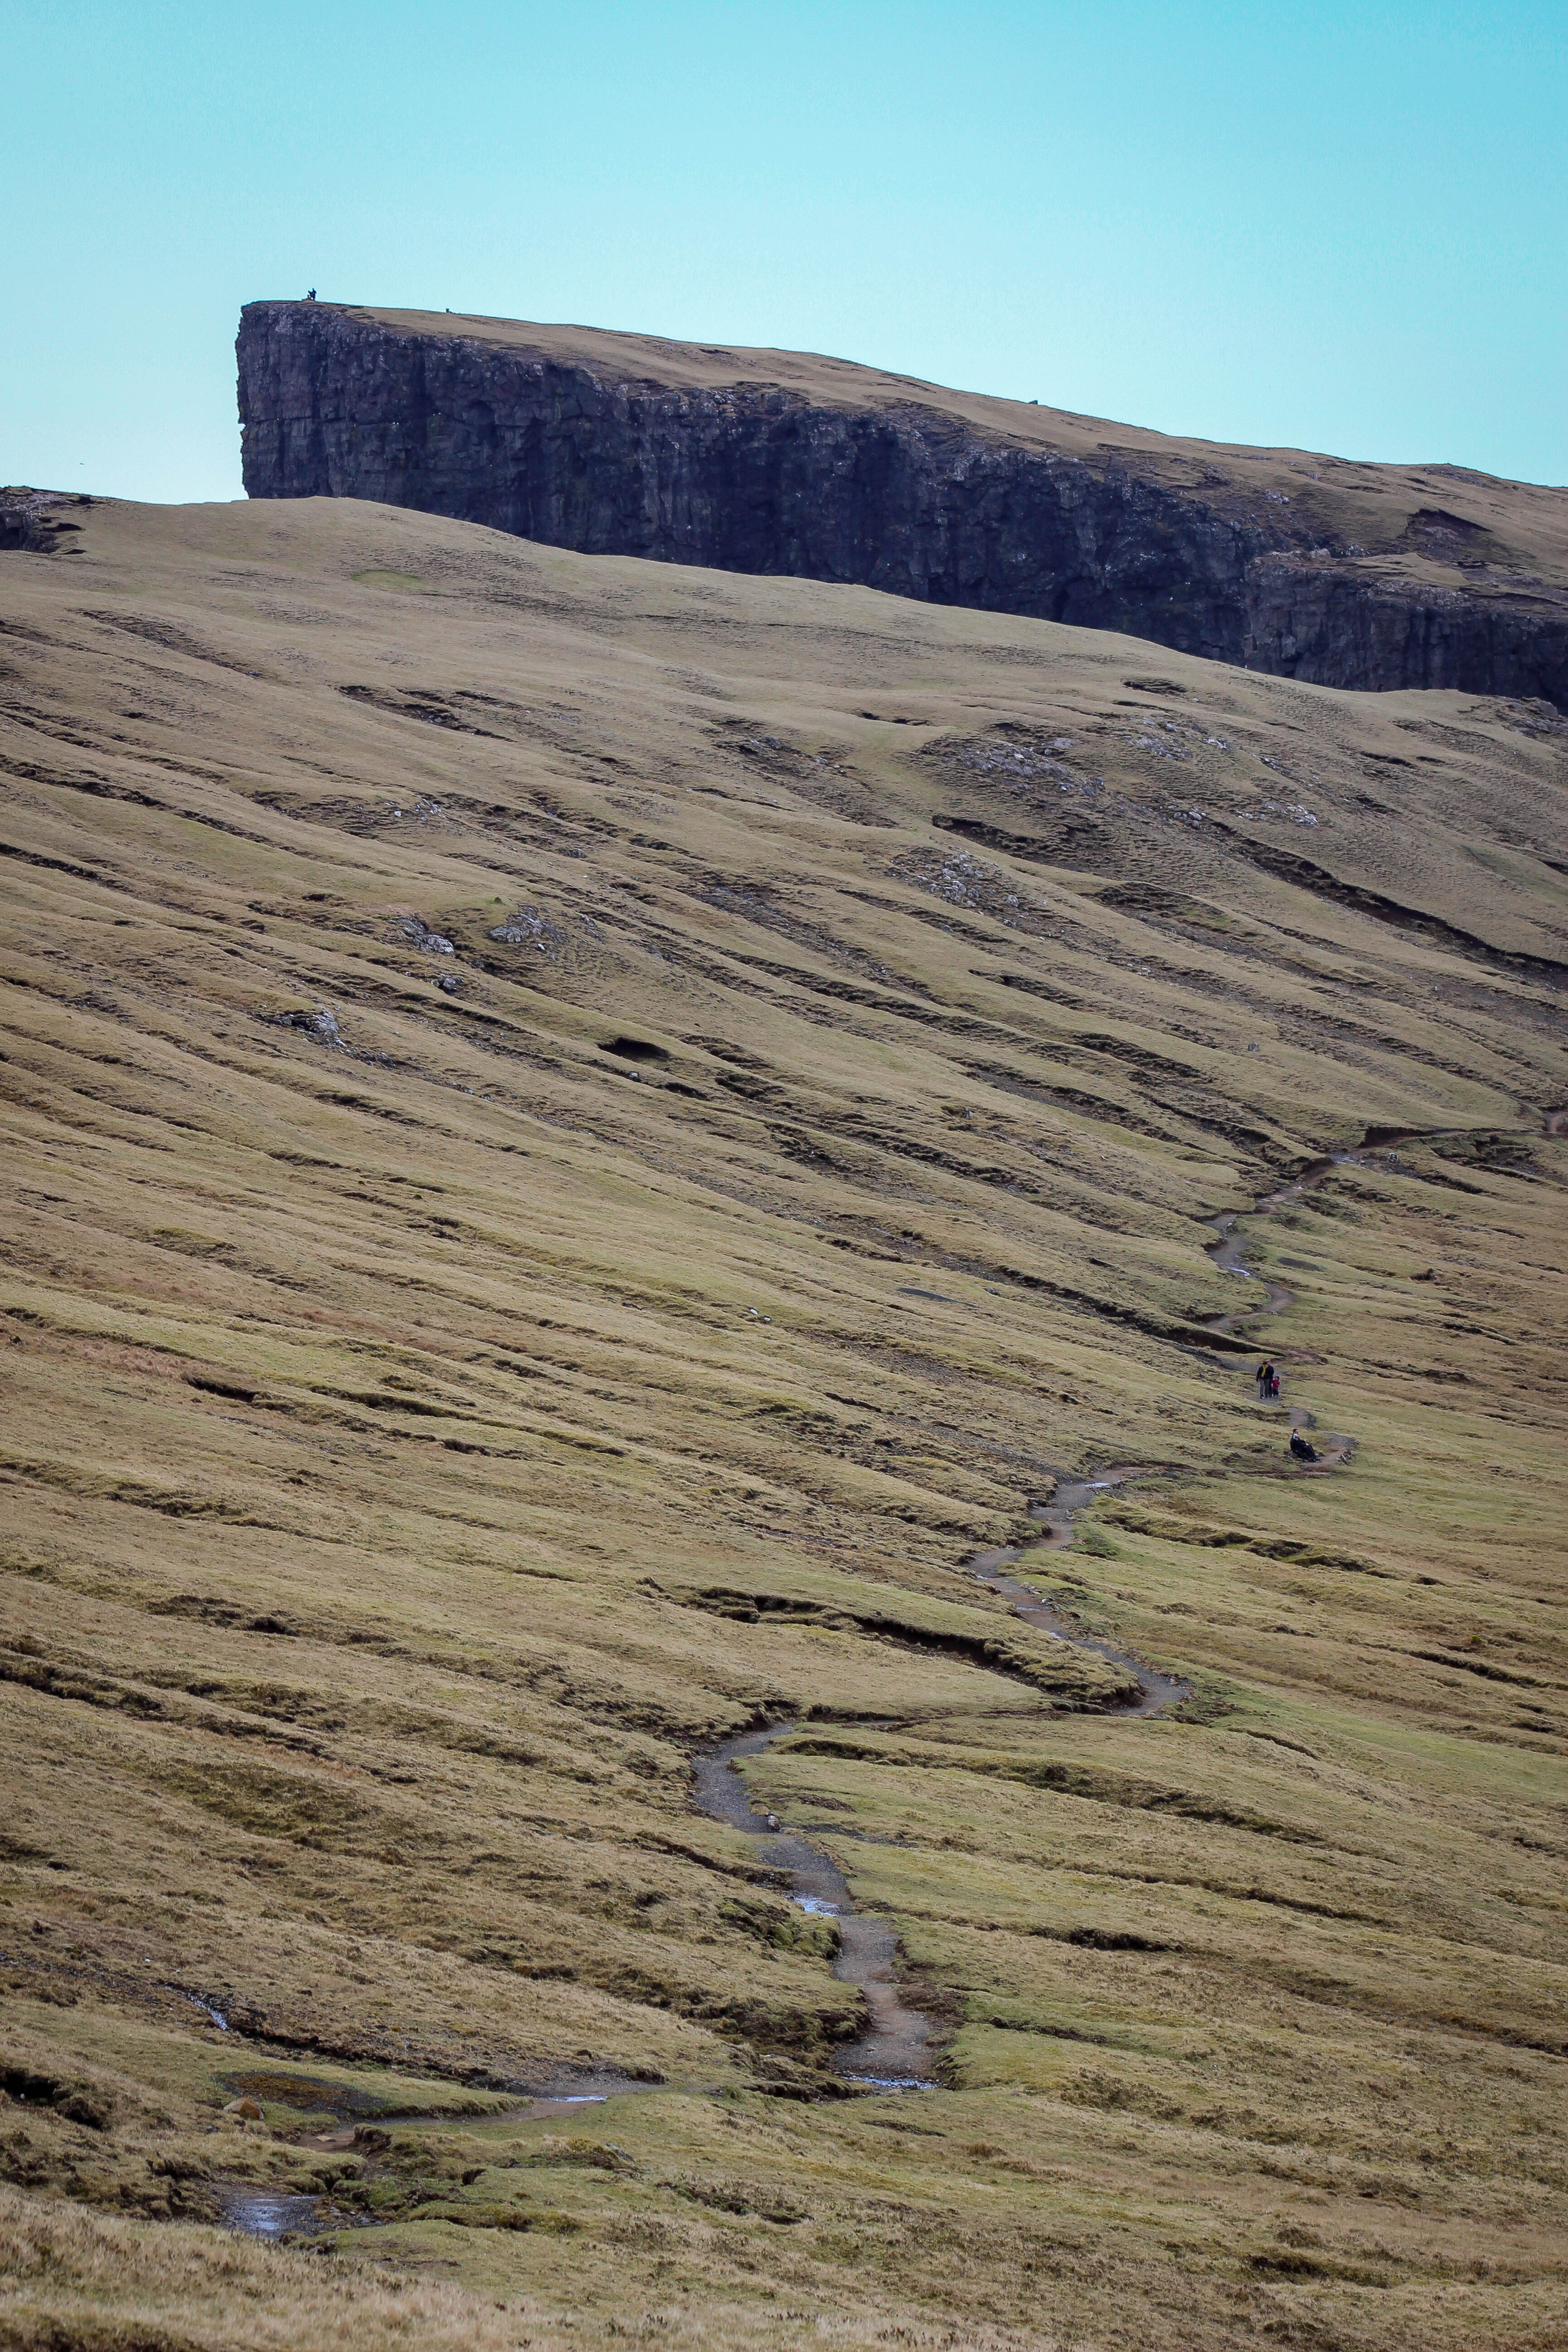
(321, 1024)
(529, 928)
(415, 929)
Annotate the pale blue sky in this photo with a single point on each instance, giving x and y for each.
(1343, 227)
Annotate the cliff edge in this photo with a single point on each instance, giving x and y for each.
(1317, 568)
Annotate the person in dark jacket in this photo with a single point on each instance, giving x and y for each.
(1303, 1447)
(1265, 1387)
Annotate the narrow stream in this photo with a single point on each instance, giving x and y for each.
(258, 2210)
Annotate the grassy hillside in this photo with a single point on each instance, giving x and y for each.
(579, 1137)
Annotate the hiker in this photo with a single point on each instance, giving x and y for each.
(1302, 1448)
(311, 295)
(1266, 1386)
(1273, 1382)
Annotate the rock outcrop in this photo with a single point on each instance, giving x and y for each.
(31, 522)
(767, 462)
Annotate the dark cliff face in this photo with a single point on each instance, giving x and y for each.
(896, 494)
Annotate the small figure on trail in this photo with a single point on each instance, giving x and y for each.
(1303, 1447)
(1273, 1383)
(311, 295)
(1267, 1384)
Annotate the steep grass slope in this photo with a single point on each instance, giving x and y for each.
(579, 1136)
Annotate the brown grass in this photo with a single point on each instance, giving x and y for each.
(399, 1484)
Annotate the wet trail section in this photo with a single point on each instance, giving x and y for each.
(362, 2127)
(1226, 1252)
(1155, 1691)
(894, 2052)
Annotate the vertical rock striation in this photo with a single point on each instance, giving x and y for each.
(764, 462)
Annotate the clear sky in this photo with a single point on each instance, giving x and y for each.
(1344, 227)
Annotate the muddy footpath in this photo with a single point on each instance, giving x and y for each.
(894, 2054)
(895, 2051)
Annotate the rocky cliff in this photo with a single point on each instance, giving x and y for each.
(768, 462)
(32, 522)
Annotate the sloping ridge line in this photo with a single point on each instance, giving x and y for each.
(779, 464)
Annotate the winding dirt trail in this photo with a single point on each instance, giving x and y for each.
(894, 2052)
(1155, 1691)
(1334, 1449)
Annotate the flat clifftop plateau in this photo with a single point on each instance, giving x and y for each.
(1302, 566)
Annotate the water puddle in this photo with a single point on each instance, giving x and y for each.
(273, 2214)
(537, 2109)
(265, 2212)
(559, 2093)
